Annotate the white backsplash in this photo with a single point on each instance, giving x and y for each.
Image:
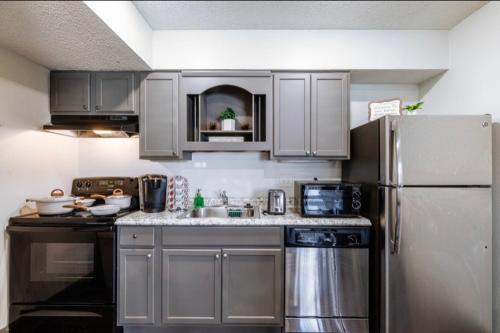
(242, 175)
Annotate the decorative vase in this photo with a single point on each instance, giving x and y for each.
(228, 124)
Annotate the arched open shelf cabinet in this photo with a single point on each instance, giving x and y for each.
(204, 97)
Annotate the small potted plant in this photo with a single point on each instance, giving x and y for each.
(227, 117)
(412, 108)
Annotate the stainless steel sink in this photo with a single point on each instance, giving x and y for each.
(222, 212)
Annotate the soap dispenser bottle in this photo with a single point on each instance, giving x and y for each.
(199, 202)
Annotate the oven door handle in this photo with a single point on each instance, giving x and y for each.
(13, 229)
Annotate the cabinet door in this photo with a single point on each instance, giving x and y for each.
(330, 115)
(292, 114)
(114, 92)
(252, 286)
(70, 92)
(191, 286)
(159, 115)
(136, 277)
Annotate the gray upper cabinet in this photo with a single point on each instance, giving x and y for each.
(311, 115)
(70, 92)
(292, 114)
(252, 286)
(114, 92)
(136, 287)
(330, 115)
(191, 286)
(159, 115)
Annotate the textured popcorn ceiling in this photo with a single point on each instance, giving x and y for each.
(189, 15)
(64, 35)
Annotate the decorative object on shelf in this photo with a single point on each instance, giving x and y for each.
(226, 139)
(245, 126)
(212, 126)
(228, 122)
(390, 107)
(412, 109)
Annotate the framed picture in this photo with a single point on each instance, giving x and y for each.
(390, 107)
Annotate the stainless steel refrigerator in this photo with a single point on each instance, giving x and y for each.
(427, 186)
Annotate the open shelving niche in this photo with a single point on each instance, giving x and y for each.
(204, 108)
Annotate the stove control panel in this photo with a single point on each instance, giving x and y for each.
(104, 185)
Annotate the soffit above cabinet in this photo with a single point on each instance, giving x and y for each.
(64, 35)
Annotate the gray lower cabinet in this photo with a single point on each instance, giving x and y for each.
(136, 287)
(252, 286)
(191, 292)
(70, 92)
(114, 92)
(159, 115)
(311, 115)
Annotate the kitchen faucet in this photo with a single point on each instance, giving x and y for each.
(225, 199)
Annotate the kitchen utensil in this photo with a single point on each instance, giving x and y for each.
(276, 202)
(87, 202)
(117, 198)
(153, 193)
(100, 210)
(54, 205)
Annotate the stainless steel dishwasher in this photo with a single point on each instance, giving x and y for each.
(327, 277)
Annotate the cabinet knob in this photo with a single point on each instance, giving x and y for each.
(149, 255)
(134, 236)
(314, 153)
(225, 255)
(97, 107)
(174, 153)
(217, 256)
(307, 153)
(85, 107)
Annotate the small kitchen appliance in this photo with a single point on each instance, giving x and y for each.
(153, 193)
(327, 279)
(276, 202)
(63, 267)
(327, 198)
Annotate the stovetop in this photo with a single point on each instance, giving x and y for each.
(84, 187)
(76, 218)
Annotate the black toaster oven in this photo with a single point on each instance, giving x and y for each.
(327, 199)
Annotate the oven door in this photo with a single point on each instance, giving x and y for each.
(62, 265)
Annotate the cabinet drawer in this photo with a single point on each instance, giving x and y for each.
(137, 236)
(222, 236)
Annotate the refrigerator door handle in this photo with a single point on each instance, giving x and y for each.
(396, 163)
(395, 219)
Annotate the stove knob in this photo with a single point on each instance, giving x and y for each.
(79, 184)
(88, 184)
(356, 204)
(356, 194)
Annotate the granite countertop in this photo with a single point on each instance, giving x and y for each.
(290, 218)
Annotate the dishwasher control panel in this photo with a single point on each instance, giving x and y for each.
(345, 237)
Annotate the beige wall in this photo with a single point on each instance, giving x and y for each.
(31, 162)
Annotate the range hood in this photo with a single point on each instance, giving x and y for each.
(118, 126)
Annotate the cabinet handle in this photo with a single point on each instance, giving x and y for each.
(149, 255)
(225, 255)
(217, 256)
(307, 153)
(85, 106)
(134, 236)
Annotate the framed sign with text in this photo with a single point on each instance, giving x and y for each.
(390, 107)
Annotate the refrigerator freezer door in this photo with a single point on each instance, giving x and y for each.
(441, 279)
(441, 150)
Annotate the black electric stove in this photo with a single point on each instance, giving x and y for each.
(84, 187)
(63, 267)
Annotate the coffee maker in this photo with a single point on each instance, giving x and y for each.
(153, 193)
